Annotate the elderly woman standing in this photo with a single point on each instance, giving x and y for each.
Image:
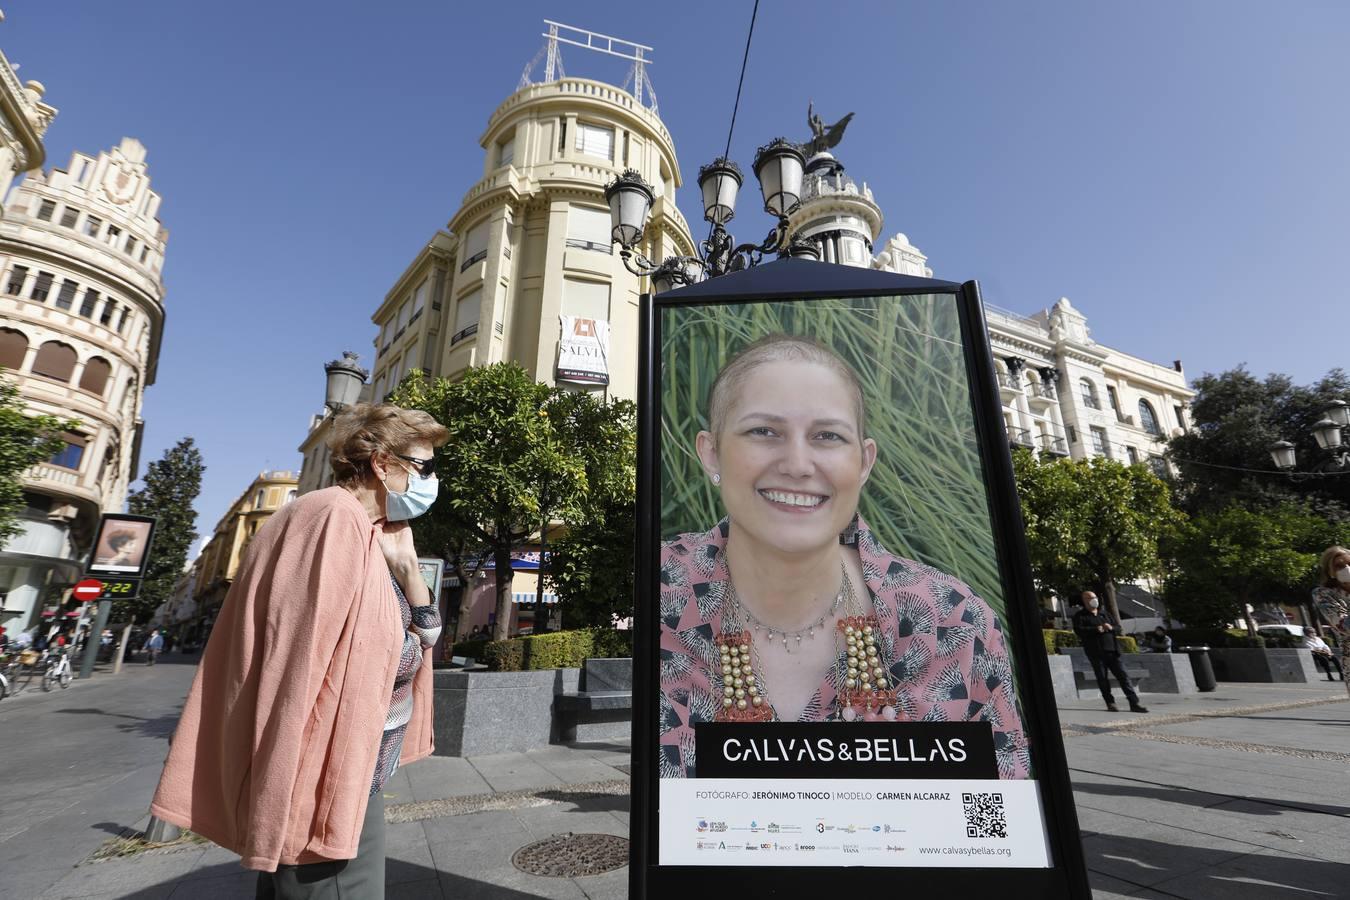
(313, 690)
(1332, 594)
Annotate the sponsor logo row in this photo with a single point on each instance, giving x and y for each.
(794, 847)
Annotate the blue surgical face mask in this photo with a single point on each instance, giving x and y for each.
(417, 499)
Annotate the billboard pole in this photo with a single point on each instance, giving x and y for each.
(94, 641)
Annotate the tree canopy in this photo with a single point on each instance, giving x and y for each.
(25, 441)
(1235, 417)
(1091, 523)
(1224, 559)
(169, 489)
(521, 455)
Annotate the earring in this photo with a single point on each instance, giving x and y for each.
(717, 479)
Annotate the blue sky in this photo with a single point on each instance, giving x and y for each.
(1179, 170)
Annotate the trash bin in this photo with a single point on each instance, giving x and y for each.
(1201, 667)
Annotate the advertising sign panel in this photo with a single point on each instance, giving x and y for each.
(583, 352)
(122, 546)
(839, 658)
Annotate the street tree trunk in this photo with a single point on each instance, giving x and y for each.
(501, 629)
(1109, 602)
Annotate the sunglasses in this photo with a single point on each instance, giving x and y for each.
(424, 466)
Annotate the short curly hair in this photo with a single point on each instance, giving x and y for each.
(362, 430)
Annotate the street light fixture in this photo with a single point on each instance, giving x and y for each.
(345, 378)
(1328, 431)
(779, 166)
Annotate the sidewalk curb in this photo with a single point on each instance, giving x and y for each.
(1152, 721)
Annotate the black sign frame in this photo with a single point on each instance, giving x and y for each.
(144, 529)
(799, 279)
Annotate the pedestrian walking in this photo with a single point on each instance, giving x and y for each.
(1331, 598)
(153, 645)
(313, 690)
(1097, 633)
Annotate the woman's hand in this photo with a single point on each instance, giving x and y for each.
(396, 542)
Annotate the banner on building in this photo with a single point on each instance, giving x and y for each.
(838, 667)
(583, 352)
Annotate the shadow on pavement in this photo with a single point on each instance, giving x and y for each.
(403, 880)
(159, 726)
(1203, 799)
(1204, 872)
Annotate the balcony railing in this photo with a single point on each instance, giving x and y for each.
(1008, 382)
(1043, 390)
(1053, 446)
(1020, 437)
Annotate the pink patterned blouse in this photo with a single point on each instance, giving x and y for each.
(949, 661)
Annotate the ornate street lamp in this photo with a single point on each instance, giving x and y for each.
(779, 166)
(1328, 431)
(345, 378)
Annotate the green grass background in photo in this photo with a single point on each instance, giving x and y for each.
(926, 498)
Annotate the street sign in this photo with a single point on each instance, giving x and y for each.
(88, 589)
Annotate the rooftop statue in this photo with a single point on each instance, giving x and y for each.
(823, 138)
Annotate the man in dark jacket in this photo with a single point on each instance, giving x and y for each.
(1097, 633)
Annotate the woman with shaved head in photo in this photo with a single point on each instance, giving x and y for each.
(789, 609)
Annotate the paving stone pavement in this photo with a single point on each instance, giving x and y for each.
(1209, 796)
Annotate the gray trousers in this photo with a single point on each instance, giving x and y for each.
(361, 878)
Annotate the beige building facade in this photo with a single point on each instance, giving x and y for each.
(81, 319)
(529, 245)
(197, 597)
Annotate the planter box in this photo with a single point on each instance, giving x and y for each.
(497, 712)
(1061, 676)
(1290, 666)
(1168, 673)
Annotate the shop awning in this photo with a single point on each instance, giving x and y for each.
(528, 598)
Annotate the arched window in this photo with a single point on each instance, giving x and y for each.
(1089, 392)
(1148, 419)
(13, 348)
(55, 360)
(95, 377)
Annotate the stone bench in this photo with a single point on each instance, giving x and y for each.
(601, 708)
(1085, 679)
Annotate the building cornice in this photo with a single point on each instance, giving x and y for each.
(20, 110)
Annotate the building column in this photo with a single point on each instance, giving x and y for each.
(551, 296)
(25, 596)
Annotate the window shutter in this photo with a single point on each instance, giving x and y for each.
(587, 226)
(466, 313)
(594, 140)
(585, 299)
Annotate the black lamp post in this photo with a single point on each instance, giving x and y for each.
(779, 166)
(1329, 432)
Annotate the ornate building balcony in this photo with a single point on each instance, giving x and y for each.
(1053, 446)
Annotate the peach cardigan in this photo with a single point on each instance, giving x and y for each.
(276, 747)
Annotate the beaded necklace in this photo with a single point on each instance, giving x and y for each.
(864, 688)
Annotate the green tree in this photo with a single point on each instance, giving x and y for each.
(591, 567)
(1224, 559)
(1235, 417)
(25, 440)
(1092, 522)
(506, 469)
(169, 489)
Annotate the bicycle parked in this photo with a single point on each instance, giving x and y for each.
(17, 670)
(58, 669)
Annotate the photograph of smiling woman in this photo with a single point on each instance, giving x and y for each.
(789, 609)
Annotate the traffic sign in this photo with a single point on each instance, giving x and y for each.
(88, 589)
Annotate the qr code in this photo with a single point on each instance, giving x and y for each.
(985, 817)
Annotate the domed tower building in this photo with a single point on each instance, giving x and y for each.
(530, 248)
(81, 318)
